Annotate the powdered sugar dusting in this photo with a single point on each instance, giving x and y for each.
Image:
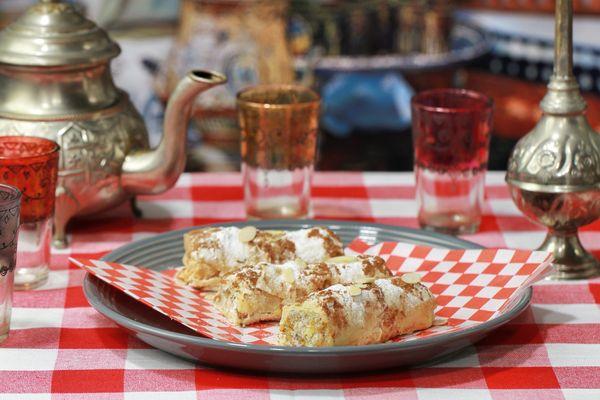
(233, 250)
(396, 295)
(207, 253)
(350, 272)
(310, 249)
(273, 279)
(353, 306)
(279, 279)
(392, 294)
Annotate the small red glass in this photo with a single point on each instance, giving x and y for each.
(31, 165)
(451, 136)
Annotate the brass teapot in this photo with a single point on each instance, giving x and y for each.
(55, 82)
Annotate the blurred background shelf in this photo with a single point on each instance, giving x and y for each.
(366, 58)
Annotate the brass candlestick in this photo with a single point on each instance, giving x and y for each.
(554, 171)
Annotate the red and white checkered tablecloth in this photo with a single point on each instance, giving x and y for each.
(59, 347)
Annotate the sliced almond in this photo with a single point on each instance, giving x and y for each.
(439, 321)
(411, 278)
(300, 262)
(275, 232)
(247, 233)
(354, 290)
(288, 275)
(342, 259)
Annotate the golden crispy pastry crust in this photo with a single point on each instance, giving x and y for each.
(257, 293)
(213, 252)
(344, 315)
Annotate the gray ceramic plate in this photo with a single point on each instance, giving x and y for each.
(165, 251)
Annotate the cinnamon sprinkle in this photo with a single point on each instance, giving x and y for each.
(331, 306)
(371, 265)
(332, 248)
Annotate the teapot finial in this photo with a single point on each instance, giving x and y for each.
(54, 33)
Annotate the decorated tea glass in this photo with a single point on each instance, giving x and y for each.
(279, 126)
(451, 137)
(31, 165)
(10, 199)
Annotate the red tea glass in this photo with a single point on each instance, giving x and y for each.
(31, 165)
(451, 136)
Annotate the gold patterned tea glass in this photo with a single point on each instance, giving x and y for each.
(279, 126)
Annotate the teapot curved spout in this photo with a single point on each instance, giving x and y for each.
(156, 170)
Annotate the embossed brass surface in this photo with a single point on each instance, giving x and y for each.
(56, 83)
(554, 171)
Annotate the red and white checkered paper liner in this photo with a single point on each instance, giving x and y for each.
(471, 287)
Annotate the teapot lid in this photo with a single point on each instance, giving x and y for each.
(53, 33)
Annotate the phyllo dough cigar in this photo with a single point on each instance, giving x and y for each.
(359, 314)
(257, 293)
(212, 252)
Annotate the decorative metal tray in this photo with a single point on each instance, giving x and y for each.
(466, 43)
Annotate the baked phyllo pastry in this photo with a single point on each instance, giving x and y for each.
(257, 293)
(358, 314)
(213, 252)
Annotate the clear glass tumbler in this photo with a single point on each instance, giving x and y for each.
(279, 126)
(10, 198)
(451, 136)
(31, 165)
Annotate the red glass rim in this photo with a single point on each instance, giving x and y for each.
(431, 100)
(45, 149)
(13, 195)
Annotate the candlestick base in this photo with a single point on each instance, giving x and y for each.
(571, 259)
